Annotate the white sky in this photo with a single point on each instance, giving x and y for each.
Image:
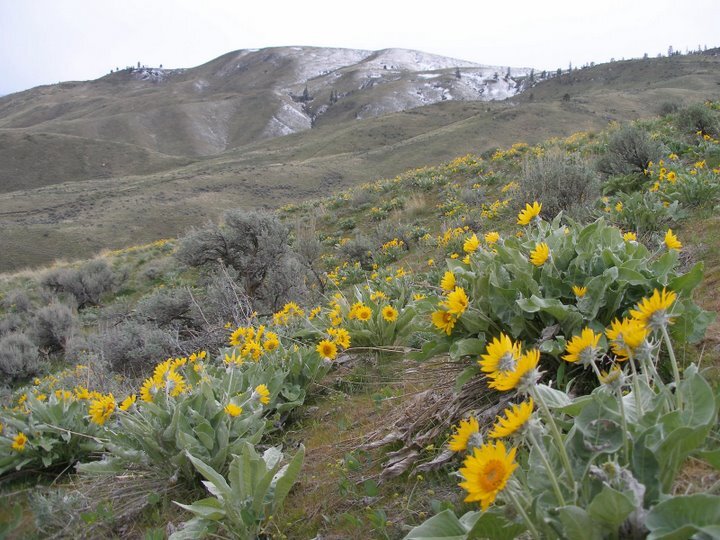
(47, 41)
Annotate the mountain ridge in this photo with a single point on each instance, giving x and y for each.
(246, 95)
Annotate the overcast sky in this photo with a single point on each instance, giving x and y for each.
(47, 41)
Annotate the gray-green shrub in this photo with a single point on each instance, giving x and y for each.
(164, 306)
(52, 326)
(629, 150)
(561, 182)
(698, 117)
(16, 301)
(85, 284)
(18, 356)
(255, 244)
(132, 348)
(12, 322)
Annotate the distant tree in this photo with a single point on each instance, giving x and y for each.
(532, 75)
(457, 73)
(558, 72)
(570, 67)
(495, 76)
(645, 56)
(138, 65)
(670, 50)
(507, 75)
(543, 75)
(306, 94)
(566, 97)
(160, 66)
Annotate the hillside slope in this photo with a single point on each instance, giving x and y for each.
(75, 219)
(248, 95)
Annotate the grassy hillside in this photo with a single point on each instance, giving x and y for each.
(76, 219)
(375, 423)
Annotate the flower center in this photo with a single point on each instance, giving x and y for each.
(506, 362)
(492, 475)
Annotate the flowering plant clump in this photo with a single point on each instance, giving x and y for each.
(604, 462)
(551, 284)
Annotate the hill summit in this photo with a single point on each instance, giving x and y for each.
(248, 95)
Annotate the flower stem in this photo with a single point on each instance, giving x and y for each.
(623, 419)
(557, 436)
(548, 468)
(636, 388)
(519, 507)
(673, 362)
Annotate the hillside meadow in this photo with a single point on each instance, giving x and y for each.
(518, 342)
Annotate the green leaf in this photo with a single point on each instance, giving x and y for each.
(467, 347)
(684, 285)
(492, 525)
(206, 434)
(371, 488)
(680, 517)
(288, 476)
(711, 456)
(699, 400)
(215, 478)
(555, 399)
(443, 526)
(209, 508)
(664, 264)
(577, 523)
(431, 349)
(465, 375)
(611, 507)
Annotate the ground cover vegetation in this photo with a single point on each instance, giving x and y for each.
(521, 342)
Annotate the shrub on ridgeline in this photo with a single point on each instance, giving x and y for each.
(629, 150)
(85, 284)
(561, 182)
(53, 326)
(18, 356)
(255, 244)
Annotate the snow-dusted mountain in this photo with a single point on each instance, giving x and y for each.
(249, 95)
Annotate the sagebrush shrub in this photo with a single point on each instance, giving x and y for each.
(52, 326)
(629, 150)
(18, 356)
(12, 322)
(358, 249)
(255, 244)
(86, 284)
(131, 347)
(164, 306)
(16, 301)
(559, 181)
(698, 117)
